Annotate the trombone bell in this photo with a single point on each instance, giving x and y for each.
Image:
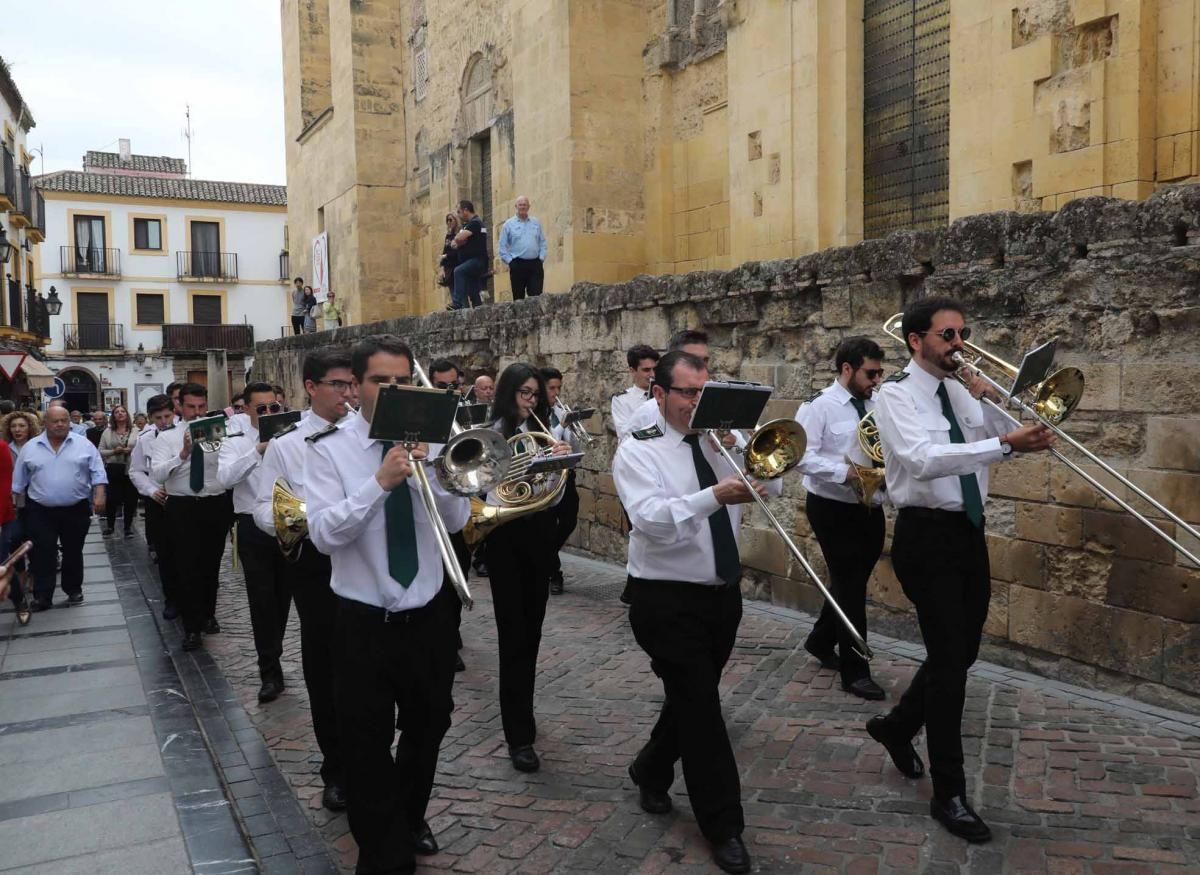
(775, 448)
(1059, 394)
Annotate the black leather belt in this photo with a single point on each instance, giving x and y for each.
(384, 615)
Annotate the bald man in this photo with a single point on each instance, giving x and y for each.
(523, 249)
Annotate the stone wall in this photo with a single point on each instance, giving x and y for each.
(1080, 589)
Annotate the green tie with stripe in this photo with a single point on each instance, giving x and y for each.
(196, 475)
(401, 533)
(972, 498)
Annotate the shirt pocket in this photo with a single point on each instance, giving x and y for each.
(937, 426)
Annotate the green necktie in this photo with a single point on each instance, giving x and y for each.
(860, 407)
(401, 534)
(972, 500)
(196, 480)
(553, 418)
(725, 548)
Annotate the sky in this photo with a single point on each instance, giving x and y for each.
(92, 73)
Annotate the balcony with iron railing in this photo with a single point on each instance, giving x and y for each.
(206, 266)
(25, 310)
(8, 181)
(98, 336)
(37, 231)
(21, 215)
(180, 338)
(89, 261)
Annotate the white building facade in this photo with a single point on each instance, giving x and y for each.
(152, 270)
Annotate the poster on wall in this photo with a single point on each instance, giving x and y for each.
(320, 261)
(143, 392)
(113, 398)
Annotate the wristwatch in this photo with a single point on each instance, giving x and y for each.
(1005, 446)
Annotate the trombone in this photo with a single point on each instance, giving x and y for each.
(773, 450)
(1056, 398)
(577, 429)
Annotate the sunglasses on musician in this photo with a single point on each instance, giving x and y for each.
(947, 334)
(273, 407)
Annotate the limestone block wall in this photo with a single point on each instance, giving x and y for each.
(1079, 588)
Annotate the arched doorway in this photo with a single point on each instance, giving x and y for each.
(83, 393)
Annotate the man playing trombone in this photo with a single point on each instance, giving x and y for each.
(685, 602)
(394, 633)
(566, 512)
(938, 441)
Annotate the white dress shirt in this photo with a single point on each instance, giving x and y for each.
(174, 473)
(623, 407)
(923, 466)
(830, 423)
(139, 463)
(345, 508)
(657, 482)
(561, 431)
(284, 458)
(239, 466)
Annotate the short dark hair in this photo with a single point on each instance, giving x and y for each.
(918, 315)
(173, 387)
(639, 353)
(257, 388)
(193, 389)
(686, 337)
(157, 403)
(237, 395)
(318, 364)
(299, 279)
(278, 390)
(666, 366)
(853, 350)
(466, 205)
(549, 373)
(364, 349)
(438, 366)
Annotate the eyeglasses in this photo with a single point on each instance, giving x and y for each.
(872, 373)
(947, 334)
(273, 407)
(338, 385)
(384, 380)
(686, 393)
(528, 393)
(443, 384)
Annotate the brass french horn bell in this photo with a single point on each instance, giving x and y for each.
(291, 521)
(870, 477)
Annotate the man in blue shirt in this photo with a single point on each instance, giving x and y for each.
(523, 249)
(78, 426)
(58, 471)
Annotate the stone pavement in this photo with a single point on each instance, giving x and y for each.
(1071, 780)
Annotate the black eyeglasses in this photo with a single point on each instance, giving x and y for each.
(947, 334)
(686, 393)
(528, 393)
(872, 373)
(442, 384)
(382, 380)
(338, 385)
(273, 407)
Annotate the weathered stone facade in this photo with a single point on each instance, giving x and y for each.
(1118, 282)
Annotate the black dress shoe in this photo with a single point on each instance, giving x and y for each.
(652, 801)
(38, 605)
(212, 627)
(423, 841)
(459, 665)
(191, 641)
(481, 569)
(827, 658)
(904, 755)
(170, 612)
(524, 758)
(556, 584)
(731, 855)
(334, 797)
(958, 817)
(74, 599)
(865, 688)
(271, 688)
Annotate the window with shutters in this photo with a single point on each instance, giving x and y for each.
(420, 55)
(206, 309)
(147, 234)
(150, 309)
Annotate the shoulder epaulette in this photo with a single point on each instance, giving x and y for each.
(897, 377)
(644, 434)
(815, 396)
(323, 433)
(288, 429)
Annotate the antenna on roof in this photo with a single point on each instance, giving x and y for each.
(187, 135)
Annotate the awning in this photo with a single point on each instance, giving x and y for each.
(36, 372)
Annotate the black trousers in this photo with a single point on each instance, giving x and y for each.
(941, 561)
(392, 671)
(298, 324)
(316, 605)
(688, 630)
(121, 496)
(462, 552)
(267, 592)
(158, 536)
(851, 539)
(47, 527)
(519, 572)
(566, 516)
(527, 276)
(196, 529)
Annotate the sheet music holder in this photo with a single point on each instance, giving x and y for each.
(730, 405)
(272, 424)
(413, 415)
(472, 415)
(1034, 367)
(210, 427)
(549, 464)
(580, 415)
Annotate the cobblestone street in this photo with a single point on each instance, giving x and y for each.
(1071, 781)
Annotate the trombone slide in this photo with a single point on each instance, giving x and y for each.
(445, 546)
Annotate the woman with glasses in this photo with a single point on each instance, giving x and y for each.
(116, 444)
(519, 558)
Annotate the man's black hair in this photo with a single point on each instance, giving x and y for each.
(687, 337)
(918, 315)
(157, 403)
(319, 363)
(440, 366)
(364, 349)
(666, 366)
(639, 353)
(549, 373)
(194, 389)
(854, 350)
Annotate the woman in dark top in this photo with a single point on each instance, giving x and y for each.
(449, 259)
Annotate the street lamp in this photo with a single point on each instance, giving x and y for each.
(53, 304)
(140, 355)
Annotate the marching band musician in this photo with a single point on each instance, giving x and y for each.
(519, 569)
(641, 360)
(327, 380)
(161, 410)
(197, 516)
(849, 532)
(268, 594)
(938, 441)
(686, 604)
(566, 512)
(394, 635)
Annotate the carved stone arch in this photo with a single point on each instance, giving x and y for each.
(478, 95)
